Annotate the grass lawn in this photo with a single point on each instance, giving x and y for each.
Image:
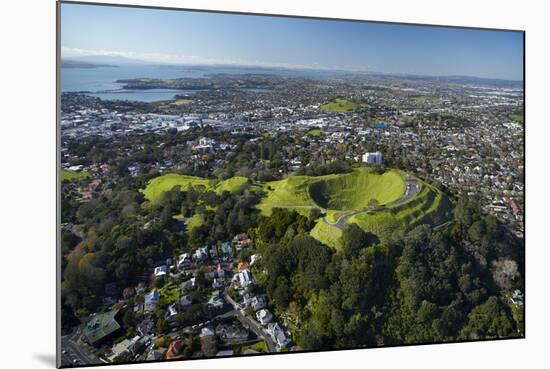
(342, 105)
(425, 98)
(327, 234)
(196, 221)
(181, 102)
(430, 206)
(169, 293)
(314, 132)
(232, 184)
(288, 192)
(68, 175)
(166, 182)
(175, 102)
(516, 118)
(259, 346)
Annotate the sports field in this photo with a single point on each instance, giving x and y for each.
(342, 105)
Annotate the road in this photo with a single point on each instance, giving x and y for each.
(342, 220)
(249, 322)
(412, 189)
(73, 351)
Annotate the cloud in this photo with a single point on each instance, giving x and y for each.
(164, 58)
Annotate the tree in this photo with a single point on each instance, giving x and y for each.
(488, 320)
(505, 272)
(162, 326)
(353, 239)
(282, 295)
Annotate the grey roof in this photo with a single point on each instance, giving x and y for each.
(100, 326)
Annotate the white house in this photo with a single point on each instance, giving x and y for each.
(201, 253)
(245, 278)
(160, 271)
(184, 260)
(264, 316)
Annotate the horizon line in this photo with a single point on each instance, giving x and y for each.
(135, 59)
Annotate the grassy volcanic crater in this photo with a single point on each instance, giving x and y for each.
(357, 190)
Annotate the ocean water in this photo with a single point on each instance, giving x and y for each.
(100, 81)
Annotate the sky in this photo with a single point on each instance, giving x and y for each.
(184, 37)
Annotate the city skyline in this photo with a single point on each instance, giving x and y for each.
(269, 41)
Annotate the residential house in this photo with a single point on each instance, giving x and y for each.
(174, 350)
(227, 250)
(122, 347)
(184, 261)
(517, 298)
(201, 254)
(217, 283)
(156, 354)
(186, 301)
(278, 334)
(215, 300)
(146, 327)
(208, 342)
(188, 285)
(141, 345)
(160, 271)
(241, 241)
(151, 300)
(264, 316)
(245, 278)
(225, 353)
(258, 302)
(233, 333)
(172, 311)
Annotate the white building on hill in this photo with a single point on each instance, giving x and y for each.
(372, 158)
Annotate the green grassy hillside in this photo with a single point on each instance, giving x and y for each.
(430, 206)
(334, 192)
(290, 192)
(166, 182)
(231, 184)
(335, 195)
(327, 234)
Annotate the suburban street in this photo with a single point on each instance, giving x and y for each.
(249, 322)
(72, 351)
